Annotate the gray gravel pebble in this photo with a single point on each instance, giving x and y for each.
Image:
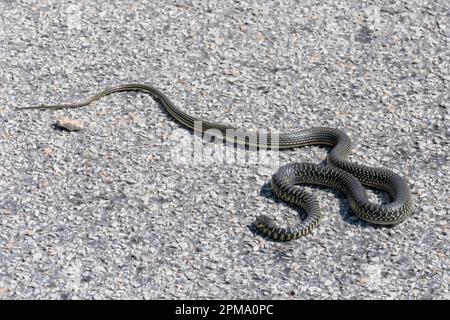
(113, 212)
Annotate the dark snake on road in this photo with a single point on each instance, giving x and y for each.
(338, 173)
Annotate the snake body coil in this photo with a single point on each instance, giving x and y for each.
(339, 173)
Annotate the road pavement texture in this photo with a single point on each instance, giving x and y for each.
(122, 209)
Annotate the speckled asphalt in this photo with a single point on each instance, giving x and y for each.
(110, 212)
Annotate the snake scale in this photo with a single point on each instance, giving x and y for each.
(338, 173)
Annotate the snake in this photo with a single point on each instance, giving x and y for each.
(288, 183)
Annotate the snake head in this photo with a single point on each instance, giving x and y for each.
(264, 224)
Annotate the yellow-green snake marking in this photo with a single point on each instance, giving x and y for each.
(339, 173)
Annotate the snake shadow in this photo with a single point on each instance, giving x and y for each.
(344, 208)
